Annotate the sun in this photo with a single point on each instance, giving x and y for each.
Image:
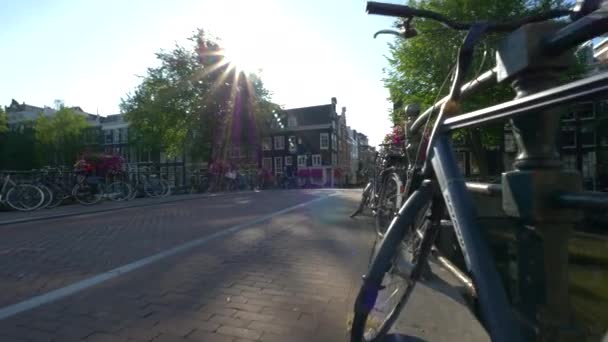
(243, 55)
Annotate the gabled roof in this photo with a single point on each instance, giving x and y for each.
(16, 107)
(315, 115)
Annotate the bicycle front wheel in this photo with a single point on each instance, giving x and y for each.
(118, 191)
(48, 196)
(59, 195)
(25, 197)
(154, 188)
(391, 279)
(87, 194)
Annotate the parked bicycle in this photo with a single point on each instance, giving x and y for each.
(20, 196)
(148, 184)
(538, 193)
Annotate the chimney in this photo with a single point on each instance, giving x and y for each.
(343, 110)
(334, 101)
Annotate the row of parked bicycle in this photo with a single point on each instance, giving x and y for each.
(50, 187)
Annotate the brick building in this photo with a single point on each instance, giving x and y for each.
(304, 142)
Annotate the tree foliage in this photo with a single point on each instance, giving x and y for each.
(61, 136)
(419, 66)
(3, 121)
(195, 101)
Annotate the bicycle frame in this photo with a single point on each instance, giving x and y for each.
(7, 181)
(496, 311)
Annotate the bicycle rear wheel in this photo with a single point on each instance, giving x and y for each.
(25, 197)
(389, 202)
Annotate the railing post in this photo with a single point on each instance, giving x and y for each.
(537, 176)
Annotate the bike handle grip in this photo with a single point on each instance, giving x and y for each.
(391, 10)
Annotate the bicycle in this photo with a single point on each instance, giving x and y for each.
(369, 197)
(390, 196)
(20, 196)
(150, 185)
(438, 187)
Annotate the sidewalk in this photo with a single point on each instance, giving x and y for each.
(11, 217)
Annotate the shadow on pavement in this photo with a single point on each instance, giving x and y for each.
(401, 338)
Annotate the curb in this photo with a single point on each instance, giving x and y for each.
(102, 210)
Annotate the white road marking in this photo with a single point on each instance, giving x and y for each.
(57, 294)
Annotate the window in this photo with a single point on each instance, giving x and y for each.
(568, 137)
(316, 160)
(267, 164)
(288, 161)
(266, 143)
(602, 109)
(301, 161)
(584, 110)
(324, 141)
(461, 159)
(278, 165)
(569, 162)
(602, 128)
(292, 121)
(279, 143)
(109, 136)
(334, 141)
(588, 165)
(292, 144)
(568, 116)
(587, 135)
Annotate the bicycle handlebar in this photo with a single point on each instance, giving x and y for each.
(401, 11)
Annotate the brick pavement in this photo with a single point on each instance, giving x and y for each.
(8, 216)
(39, 256)
(290, 279)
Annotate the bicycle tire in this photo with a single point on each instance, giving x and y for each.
(24, 197)
(48, 196)
(135, 188)
(389, 202)
(117, 191)
(86, 194)
(59, 195)
(167, 186)
(154, 188)
(364, 200)
(387, 261)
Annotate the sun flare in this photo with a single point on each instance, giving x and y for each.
(243, 56)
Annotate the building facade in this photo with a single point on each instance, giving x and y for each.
(303, 143)
(343, 165)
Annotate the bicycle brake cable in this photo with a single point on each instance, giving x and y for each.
(428, 120)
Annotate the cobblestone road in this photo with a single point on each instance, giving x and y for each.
(290, 278)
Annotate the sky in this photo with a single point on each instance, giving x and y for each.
(91, 53)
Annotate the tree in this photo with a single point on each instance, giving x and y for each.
(418, 67)
(3, 121)
(61, 137)
(195, 101)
